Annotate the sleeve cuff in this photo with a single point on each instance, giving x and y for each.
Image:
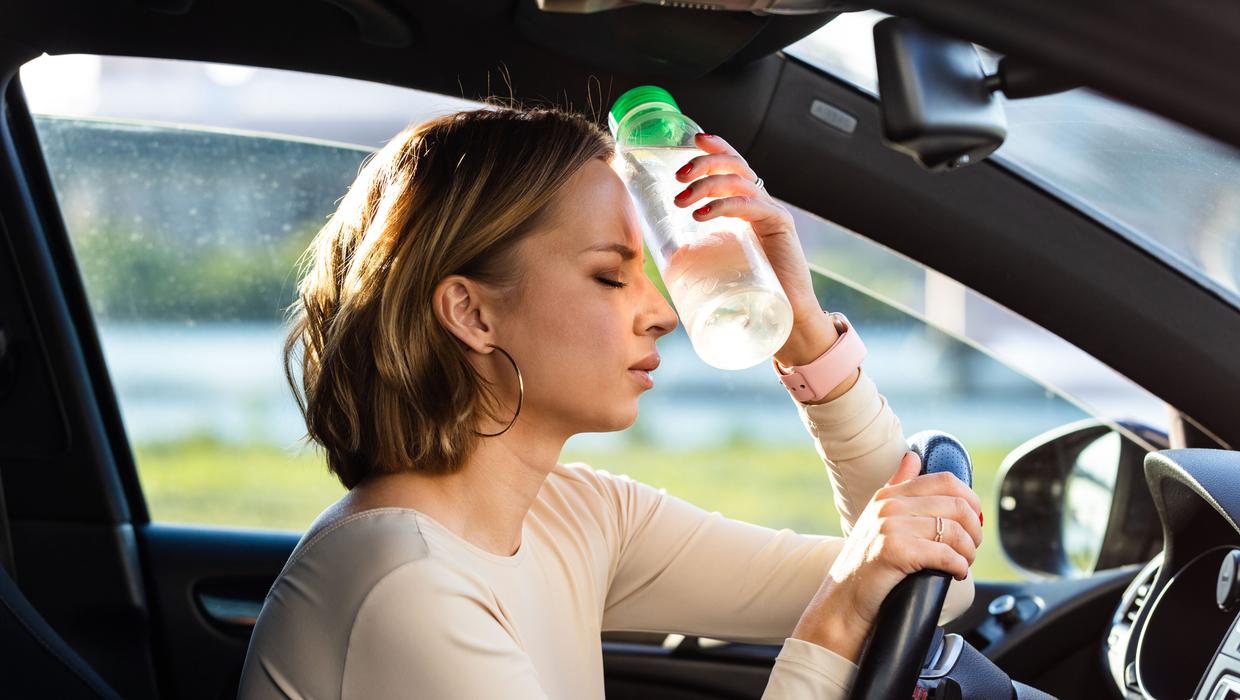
(959, 599)
(854, 425)
(842, 410)
(813, 666)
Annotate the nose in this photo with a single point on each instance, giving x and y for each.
(660, 317)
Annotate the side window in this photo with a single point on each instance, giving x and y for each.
(189, 191)
(187, 240)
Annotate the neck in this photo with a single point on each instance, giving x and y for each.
(486, 501)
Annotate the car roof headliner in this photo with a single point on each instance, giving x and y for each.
(1178, 59)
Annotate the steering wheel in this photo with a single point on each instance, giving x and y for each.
(908, 617)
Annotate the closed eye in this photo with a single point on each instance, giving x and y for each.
(612, 283)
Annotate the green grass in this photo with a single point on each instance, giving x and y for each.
(206, 482)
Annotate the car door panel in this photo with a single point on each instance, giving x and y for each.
(191, 567)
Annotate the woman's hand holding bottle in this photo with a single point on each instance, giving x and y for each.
(893, 537)
(724, 174)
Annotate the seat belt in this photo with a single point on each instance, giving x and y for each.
(6, 543)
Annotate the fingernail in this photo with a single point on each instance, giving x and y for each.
(685, 170)
(708, 136)
(703, 211)
(980, 521)
(684, 194)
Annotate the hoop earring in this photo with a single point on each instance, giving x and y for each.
(520, 396)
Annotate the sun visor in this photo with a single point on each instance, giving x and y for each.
(662, 42)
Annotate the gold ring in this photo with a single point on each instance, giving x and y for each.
(938, 529)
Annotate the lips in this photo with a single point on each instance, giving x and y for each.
(648, 363)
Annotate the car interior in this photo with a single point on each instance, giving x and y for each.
(102, 601)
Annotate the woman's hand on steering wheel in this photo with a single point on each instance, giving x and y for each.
(893, 537)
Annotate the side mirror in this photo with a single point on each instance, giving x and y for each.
(1074, 500)
(935, 101)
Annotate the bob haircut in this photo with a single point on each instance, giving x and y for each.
(384, 387)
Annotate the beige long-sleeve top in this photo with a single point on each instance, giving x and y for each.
(388, 603)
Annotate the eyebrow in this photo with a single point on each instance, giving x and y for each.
(625, 252)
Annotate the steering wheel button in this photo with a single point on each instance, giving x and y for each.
(1226, 590)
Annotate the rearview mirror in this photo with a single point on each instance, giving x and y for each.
(1074, 500)
(934, 99)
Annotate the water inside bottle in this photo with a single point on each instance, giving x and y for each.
(732, 306)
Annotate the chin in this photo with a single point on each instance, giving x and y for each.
(621, 420)
(629, 422)
(617, 415)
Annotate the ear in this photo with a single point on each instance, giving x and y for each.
(461, 304)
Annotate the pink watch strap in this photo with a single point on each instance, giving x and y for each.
(815, 380)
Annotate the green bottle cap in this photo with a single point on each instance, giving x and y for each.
(653, 132)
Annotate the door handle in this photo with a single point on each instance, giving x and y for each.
(230, 610)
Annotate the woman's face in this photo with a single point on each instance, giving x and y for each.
(573, 331)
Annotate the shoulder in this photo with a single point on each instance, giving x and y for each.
(616, 490)
(431, 591)
(334, 574)
(373, 569)
(430, 610)
(585, 475)
(433, 629)
(581, 475)
(340, 562)
(371, 556)
(625, 502)
(376, 540)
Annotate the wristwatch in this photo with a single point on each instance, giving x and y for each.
(815, 380)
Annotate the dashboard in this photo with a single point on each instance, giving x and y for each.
(1176, 631)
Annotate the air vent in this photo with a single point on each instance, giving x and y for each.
(1138, 601)
(1118, 643)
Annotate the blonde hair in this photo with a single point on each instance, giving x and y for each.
(384, 386)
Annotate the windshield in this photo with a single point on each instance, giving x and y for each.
(1167, 188)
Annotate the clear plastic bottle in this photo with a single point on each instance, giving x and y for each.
(730, 302)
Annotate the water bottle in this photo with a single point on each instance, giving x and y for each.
(729, 300)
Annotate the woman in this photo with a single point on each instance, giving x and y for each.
(477, 299)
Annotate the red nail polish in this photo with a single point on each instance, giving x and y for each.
(684, 194)
(709, 136)
(703, 211)
(979, 518)
(685, 170)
